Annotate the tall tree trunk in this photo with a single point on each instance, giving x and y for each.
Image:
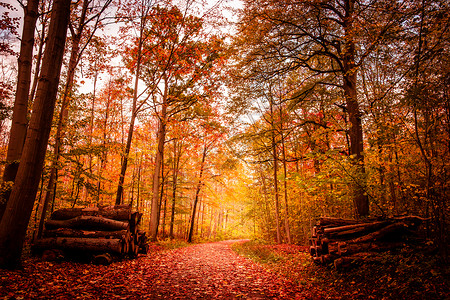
(104, 154)
(138, 188)
(134, 112)
(42, 39)
(286, 206)
(20, 110)
(176, 164)
(123, 169)
(361, 201)
(268, 219)
(162, 200)
(203, 220)
(197, 192)
(161, 136)
(14, 223)
(63, 114)
(275, 173)
(91, 131)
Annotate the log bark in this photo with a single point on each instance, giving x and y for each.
(334, 238)
(88, 223)
(350, 249)
(396, 228)
(83, 244)
(69, 232)
(363, 226)
(119, 213)
(328, 221)
(349, 231)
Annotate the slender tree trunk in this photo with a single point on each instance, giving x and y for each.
(133, 182)
(197, 192)
(199, 205)
(162, 203)
(275, 174)
(161, 136)
(176, 164)
(20, 110)
(123, 169)
(286, 206)
(14, 223)
(138, 189)
(104, 154)
(63, 114)
(42, 40)
(361, 201)
(266, 201)
(210, 223)
(91, 130)
(203, 220)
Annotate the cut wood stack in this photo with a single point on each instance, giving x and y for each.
(100, 231)
(343, 241)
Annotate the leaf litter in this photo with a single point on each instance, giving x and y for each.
(202, 271)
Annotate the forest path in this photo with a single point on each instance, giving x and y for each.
(214, 271)
(202, 271)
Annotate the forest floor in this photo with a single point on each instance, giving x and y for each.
(415, 272)
(202, 271)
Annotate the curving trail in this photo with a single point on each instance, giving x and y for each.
(204, 271)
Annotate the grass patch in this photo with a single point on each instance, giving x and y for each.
(258, 252)
(170, 244)
(410, 273)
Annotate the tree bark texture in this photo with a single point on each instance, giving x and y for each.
(20, 111)
(334, 238)
(63, 114)
(275, 174)
(123, 169)
(83, 244)
(88, 223)
(176, 164)
(361, 201)
(161, 137)
(286, 202)
(93, 235)
(69, 232)
(15, 220)
(119, 213)
(197, 192)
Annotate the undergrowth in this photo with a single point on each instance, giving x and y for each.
(410, 273)
(169, 244)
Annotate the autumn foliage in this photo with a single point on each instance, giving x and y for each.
(254, 126)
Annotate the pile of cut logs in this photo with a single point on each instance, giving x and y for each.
(103, 232)
(345, 242)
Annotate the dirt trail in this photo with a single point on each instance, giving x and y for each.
(204, 271)
(214, 271)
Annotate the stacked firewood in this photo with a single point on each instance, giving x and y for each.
(345, 242)
(104, 232)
